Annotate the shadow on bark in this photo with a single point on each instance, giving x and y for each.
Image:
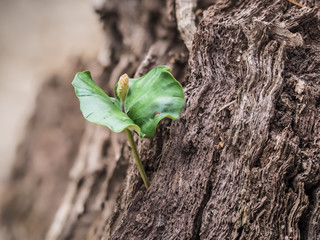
(242, 162)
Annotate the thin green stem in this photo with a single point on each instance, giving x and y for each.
(122, 105)
(137, 159)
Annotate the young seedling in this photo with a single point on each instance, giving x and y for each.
(138, 106)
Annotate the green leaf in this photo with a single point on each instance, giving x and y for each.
(153, 97)
(98, 107)
(150, 98)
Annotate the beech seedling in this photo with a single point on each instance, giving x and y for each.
(138, 106)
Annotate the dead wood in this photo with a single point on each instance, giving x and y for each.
(242, 162)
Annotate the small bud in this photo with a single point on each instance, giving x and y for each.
(123, 86)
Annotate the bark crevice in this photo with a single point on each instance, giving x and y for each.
(199, 215)
(242, 162)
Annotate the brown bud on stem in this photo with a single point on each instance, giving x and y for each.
(123, 86)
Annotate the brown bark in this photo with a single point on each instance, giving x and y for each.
(242, 162)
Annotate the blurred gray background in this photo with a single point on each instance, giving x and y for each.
(37, 39)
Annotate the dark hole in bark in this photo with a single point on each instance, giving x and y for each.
(106, 145)
(240, 230)
(303, 224)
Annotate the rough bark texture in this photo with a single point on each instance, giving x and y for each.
(242, 162)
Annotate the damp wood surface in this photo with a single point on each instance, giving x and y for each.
(242, 161)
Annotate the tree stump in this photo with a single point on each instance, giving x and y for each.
(242, 162)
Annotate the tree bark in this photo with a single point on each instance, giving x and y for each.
(242, 162)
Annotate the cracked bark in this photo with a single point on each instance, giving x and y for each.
(242, 162)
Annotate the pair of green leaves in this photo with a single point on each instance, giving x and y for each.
(150, 98)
